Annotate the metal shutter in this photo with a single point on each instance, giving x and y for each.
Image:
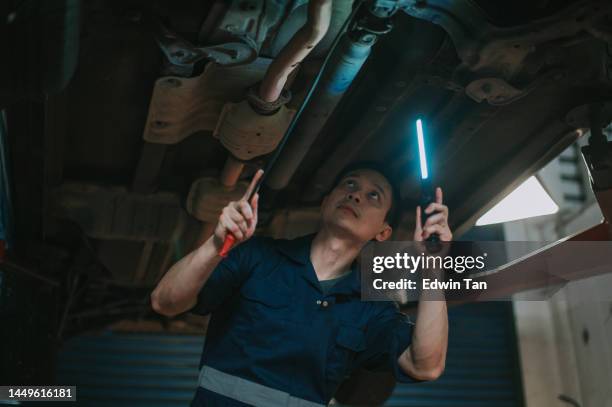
(122, 369)
(153, 370)
(482, 366)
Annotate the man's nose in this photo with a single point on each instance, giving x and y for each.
(354, 197)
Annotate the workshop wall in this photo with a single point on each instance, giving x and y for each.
(565, 342)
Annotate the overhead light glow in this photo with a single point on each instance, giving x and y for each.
(422, 157)
(528, 200)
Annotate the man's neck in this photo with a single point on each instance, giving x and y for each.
(332, 255)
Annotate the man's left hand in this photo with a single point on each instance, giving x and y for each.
(436, 223)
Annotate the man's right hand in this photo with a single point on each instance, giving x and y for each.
(178, 289)
(239, 217)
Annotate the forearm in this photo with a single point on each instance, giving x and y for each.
(425, 357)
(177, 291)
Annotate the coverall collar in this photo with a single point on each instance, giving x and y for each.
(298, 250)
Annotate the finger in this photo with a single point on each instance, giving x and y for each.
(233, 227)
(255, 203)
(235, 215)
(436, 207)
(418, 224)
(439, 195)
(246, 210)
(253, 184)
(254, 206)
(429, 230)
(436, 218)
(242, 224)
(230, 225)
(418, 230)
(443, 232)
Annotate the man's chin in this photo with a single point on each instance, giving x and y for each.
(346, 227)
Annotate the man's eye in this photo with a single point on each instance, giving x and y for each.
(374, 195)
(350, 183)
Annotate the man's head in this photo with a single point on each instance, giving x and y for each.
(364, 202)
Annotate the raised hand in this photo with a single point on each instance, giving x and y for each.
(239, 218)
(436, 223)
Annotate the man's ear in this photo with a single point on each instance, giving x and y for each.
(385, 233)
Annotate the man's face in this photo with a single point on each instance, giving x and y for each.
(358, 206)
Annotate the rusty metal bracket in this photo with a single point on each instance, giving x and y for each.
(181, 107)
(253, 18)
(500, 51)
(182, 56)
(247, 134)
(498, 92)
(493, 90)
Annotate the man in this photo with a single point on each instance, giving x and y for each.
(288, 324)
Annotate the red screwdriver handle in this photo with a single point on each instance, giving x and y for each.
(230, 239)
(228, 243)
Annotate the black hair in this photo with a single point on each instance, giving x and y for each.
(393, 214)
